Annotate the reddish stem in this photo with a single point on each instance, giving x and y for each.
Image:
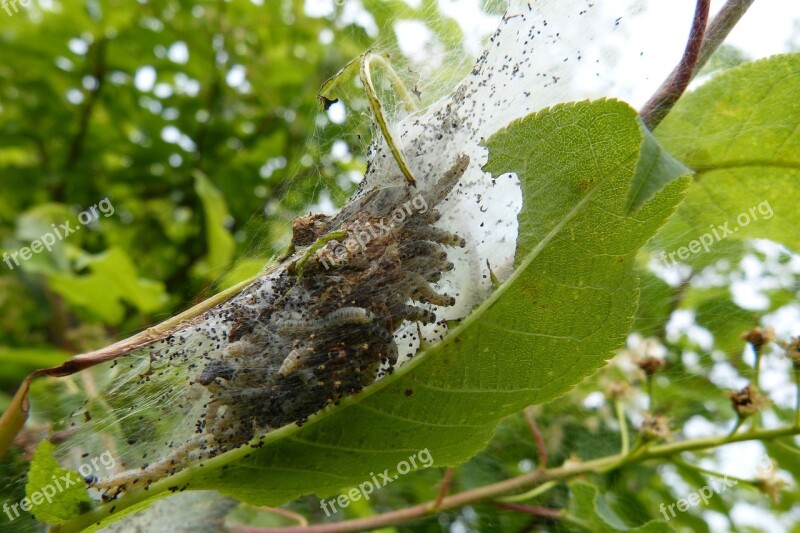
(537, 436)
(654, 111)
(533, 510)
(446, 481)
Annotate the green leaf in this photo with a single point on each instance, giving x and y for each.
(560, 316)
(221, 246)
(739, 133)
(42, 357)
(557, 319)
(655, 169)
(60, 493)
(243, 269)
(592, 510)
(113, 280)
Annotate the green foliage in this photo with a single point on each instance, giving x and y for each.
(67, 494)
(595, 514)
(221, 245)
(112, 281)
(206, 173)
(738, 133)
(655, 169)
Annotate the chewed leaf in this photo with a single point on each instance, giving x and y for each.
(54, 493)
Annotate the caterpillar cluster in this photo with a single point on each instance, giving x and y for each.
(309, 333)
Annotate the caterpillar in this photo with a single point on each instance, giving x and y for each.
(299, 339)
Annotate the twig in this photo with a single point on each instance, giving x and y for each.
(537, 436)
(544, 512)
(797, 404)
(550, 514)
(531, 494)
(362, 64)
(446, 481)
(654, 111)
(739, 422)
(623, 426)
(536, 477)
(720, 27)
(712, 473)
(790, 449)
(291, 515)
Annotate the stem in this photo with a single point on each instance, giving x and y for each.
(639, 448)
(756, 379)
(788, 448)
(448, 479)
(397, 83)
(531, 494)
(739, 423)
(757, 376)
(716, 33)
(537, 436)
(537, 477)
(380, 117)
(623, 426)
(362, 63)
(544, 512)
(720, 27)
(286, 513)
(797, 402)
(711, 473)
(654, 111)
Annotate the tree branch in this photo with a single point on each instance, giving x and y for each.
(536, 477)
(544, 512)
(659, 105)
(654, 111)
(727, 18)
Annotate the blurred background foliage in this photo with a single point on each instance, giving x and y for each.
(198, 121)
(200, 124)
